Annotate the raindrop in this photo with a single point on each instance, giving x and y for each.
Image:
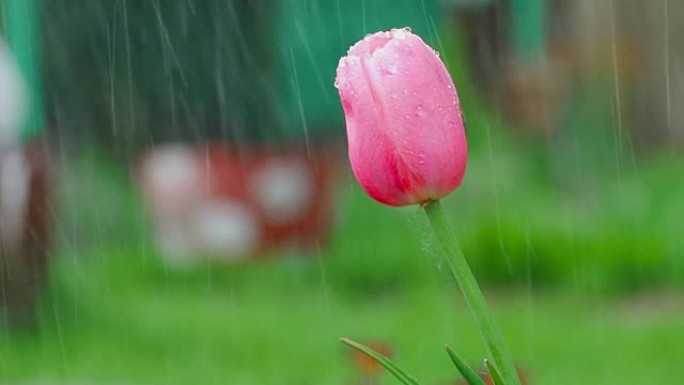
(400, 33)
(389, 69)
(420, 111)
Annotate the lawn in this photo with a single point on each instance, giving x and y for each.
(116, 314)
(278, 323)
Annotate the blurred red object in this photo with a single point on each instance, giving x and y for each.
(25, 228)
(212, 201)
(367, 365)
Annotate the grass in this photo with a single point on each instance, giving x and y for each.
(126, 321)
(116, 315)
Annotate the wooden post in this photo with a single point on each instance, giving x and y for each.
(24, 190)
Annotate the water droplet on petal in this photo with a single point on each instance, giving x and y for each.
(420, 111)
(399, 34)
(388, 69)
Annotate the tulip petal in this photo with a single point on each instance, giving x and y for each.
(404, 125)
(425, 116)
(372, 153)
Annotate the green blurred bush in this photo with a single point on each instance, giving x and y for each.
(585, 209)
(516, 227)
(517, 231)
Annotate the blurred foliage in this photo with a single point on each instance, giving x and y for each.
(113, 317)
(584, 208)
(133, 73)
(516, 227)
(516, 230)
(312, 35)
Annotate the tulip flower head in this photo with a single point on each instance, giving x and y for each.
(404, 127)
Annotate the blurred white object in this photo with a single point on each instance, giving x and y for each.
(208, 202)
(173, 176)
(187, 224)
(226, 229)
(13, 97)
(283, 190)
(223, 230)
(170, 176)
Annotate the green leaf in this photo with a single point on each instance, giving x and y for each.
(465, 370)
(382, 360)
(493, 372)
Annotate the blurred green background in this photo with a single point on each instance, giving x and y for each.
(570, 214)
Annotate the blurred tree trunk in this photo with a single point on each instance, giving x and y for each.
(24, 232)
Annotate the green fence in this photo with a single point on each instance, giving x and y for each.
(312, 35)
(143, 71)
(21, 27)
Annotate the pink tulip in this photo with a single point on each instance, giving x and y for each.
(404, 126)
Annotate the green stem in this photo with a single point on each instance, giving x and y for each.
(465, 279)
